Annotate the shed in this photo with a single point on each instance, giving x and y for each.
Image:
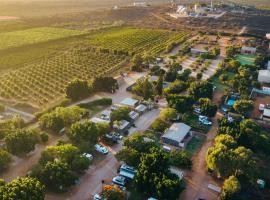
(266, 114)
(198, 51)
(248, 50)
(141, 108)
(129, 102)
(264, 76)
(121, 125)
(99, 120)
(133, 115)
(176, 134)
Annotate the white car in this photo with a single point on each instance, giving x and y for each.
(101, 149)
(88, 155)
(97, 197)
(119, 180)
(204, 120)
(197, 110)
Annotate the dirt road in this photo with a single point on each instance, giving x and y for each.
(198, 178)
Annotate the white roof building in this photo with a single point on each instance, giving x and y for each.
(99, 120)
(141, 108)
(198, 51)
(133, 115)
(176, 134)
(268, 65)
(264, 76)
(248, 50)
(121, 125)
(268, 36)
(129, 102)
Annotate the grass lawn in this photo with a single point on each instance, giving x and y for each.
(95, 107)
(246, 59)
(192, 120)
(195, 143)
(220, 85)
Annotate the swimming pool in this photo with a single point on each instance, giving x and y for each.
(230, 102)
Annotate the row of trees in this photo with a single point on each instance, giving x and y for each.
(78, 89)
(232, 157)
(61, 117)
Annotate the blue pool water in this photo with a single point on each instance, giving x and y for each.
(230, 102)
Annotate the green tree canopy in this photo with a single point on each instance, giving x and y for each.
(21, 141)
(231, 188)
(159, 86)
(182, 103)
(159, 125)
(78, 89)
(65, 152)
(181, 159)
(119, 114)
(207, 107)
(130, 156)
(243, 107)
(5, 159)
(84, 132)
(144, 88)
(57, 176)
(105, 84)
(61, 117)
(201, 89)
(168, 114)
(176, 87)
(153, 177)
(23, 189)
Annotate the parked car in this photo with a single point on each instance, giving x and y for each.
(101, 149)
(117, 135)
(88, 155)
(128, 168)
(204, 120)
(119, 180)
(166, 148)
(197, 110)
(111, 137)
(97, 197)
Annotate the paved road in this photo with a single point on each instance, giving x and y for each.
(198, 178)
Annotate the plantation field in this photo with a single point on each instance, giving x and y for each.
(34, 35)
(134, 40)
(15, 58)
(42, 83)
